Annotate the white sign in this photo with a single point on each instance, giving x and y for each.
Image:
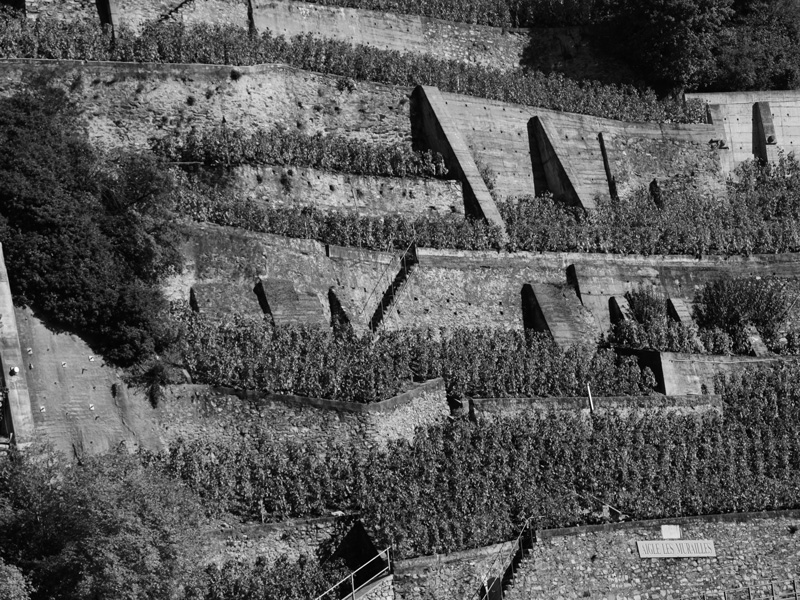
(670, 532)
(676, 549)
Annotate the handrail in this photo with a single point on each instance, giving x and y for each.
(378, 282)
(486, 588)
(382, 555)
(405, 290)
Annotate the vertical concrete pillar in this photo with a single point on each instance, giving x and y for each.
(19, 404)
(715, 117)
(765, 140)
(443, 136)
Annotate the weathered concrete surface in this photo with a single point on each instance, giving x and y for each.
(80, 404)
(133, 13)
(18, 399)
(603, 561)
(442, 135)
(562, 313)
(127, 105)
(489, 46)
(326, 190)
(694, 373)
(448, 576)
(734, 113)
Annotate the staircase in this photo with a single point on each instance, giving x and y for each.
(507, 568)
(408, 262)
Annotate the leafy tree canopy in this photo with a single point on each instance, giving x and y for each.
(86, 236)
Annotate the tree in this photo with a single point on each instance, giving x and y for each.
(87, 237)
(111, 527)
(673, 41)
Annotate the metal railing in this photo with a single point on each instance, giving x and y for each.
(775, 590)
(501, 564)
(390, 265)
(337, 591)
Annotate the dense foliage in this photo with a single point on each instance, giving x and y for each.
(87, 238)
(733, 305)
(107, 528)
(724, 310)
(230, 147)
(284, 580)
(463, 485)
(169, 42)
(250, 353)
(201, 202)
(759, 213)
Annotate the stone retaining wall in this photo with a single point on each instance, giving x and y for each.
(456, 576)
(192, 411)
(603, 561)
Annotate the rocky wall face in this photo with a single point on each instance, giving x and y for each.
(606, 564)
(636, 161)
(456, 576)
(133, 13)
(269, 542)
(127, 105)
(63, 10)
(374, 196)
(198, 411)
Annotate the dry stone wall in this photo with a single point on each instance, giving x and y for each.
(270, 541)
(63, 10)
(133, 13)
(457, 576)
(636, 161)
(488, 46)
(603, 561)
(509, 408)
(374, 196)
(126, 104)
(198, 411)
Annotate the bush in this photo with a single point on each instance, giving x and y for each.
(228, 147)
(760, 213)
(87, 238)
(462, 485)
(169, 42)
(651, 327)
(107, 528)
(250, 353)
(344, 228)
(732, 305)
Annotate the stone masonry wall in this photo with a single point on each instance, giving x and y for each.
(456, 576)
(503, 408)
(603, 561)
(133, 13)
(192, 411)
(63, 10)
(636, 161)
(269, 541)
(126, 104)
(376, 196)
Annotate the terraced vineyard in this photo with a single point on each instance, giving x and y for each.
(305, 297)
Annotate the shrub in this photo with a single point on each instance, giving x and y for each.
(732, 305)
(248, 353)
(169, 42)
(106, 528)
(285, 580)
(651, 326)
(344, 228)
(230, 147)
